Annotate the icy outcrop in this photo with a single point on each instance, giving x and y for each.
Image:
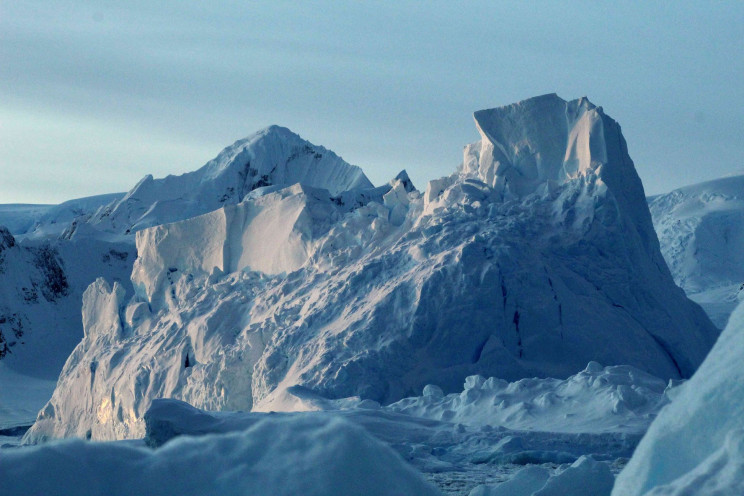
(274, 156)
(701, 231)
(696, 445)
(377, 292)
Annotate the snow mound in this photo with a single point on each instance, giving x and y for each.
(701, 231)
(378, 292)
(695, 445)
(598, 399)
(295, 455)
(274, 156)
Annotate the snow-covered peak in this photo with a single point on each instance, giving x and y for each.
(274, 156)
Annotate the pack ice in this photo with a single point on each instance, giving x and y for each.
(534, 258)
(701, 231)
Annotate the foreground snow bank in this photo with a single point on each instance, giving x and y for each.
(598, 399)
(696, 446)
(308, 455)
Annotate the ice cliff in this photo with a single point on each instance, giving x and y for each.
(536, 257)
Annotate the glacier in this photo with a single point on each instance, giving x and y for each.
(536, 257)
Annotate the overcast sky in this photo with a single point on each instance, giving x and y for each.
(94, 95)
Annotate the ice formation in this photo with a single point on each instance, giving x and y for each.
(597, 399)
(696, 445)
(535, 258)
(701, 231)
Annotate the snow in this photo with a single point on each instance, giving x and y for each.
(377, 292)
(701, 231)
(584, 477)
(598, 399)
(457, 456)
(21, 398)
(308, 455)
(272, 156)
(695, 445)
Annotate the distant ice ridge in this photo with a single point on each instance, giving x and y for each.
(701, 231)
(696, 445)
(535, 258)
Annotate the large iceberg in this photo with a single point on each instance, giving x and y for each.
(536, 257)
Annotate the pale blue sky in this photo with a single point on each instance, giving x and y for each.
(94, 95)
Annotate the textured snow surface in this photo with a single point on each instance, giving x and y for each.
(457, 456)
(377, 292)
(598, 399)
(696, 445)
(308, 455)
(270, 157)
(701, 231)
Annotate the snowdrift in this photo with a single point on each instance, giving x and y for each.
(535, 258)
(696, 445)
(298, 455)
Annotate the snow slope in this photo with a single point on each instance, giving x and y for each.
(41, 287)
(535, 258)
(18, 218)
(696, 445)
(701, 231)
(272, 156)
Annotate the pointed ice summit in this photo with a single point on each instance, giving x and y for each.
(536, 257)
(274, 156)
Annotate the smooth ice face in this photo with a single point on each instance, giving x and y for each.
(540, 140)
(695, 445)
(377, 292)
